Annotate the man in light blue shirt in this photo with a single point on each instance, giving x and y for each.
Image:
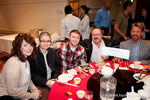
(102, 19)
(135, 51)
(139, 49)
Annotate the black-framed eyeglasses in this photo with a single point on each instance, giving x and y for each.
(48, 41)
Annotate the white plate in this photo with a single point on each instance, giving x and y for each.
(133, 67)
(65, 77)
(72, 71)
(137, 74)
(144, 94)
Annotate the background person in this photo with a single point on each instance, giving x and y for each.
(121, 23)
(145, 18)
(68, 23)
(84, 23)
(102, 18)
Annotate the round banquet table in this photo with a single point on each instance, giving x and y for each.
(124, 82)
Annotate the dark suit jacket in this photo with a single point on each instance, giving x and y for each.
(38, 67)
(87, 44)
(144, 51)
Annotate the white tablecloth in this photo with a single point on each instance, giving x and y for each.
(6, 42)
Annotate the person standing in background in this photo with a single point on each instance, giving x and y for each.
(121, 23)
(145, 18)
(84, 23)
(69, 23)
(102, 19)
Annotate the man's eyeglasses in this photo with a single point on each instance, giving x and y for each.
(135, 31)
(97, 34)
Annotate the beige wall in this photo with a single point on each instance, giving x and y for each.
(24, 15)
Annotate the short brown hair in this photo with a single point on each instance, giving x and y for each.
(139, 25)
(96, 28)
(16, 45)
(74, 31)
(44, 33)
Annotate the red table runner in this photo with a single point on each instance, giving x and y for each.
(58, 90)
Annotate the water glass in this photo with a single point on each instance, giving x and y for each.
(89, 95)
(107, 88)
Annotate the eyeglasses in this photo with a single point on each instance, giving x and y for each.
(97, 34)
(48, 41)
(135, 31)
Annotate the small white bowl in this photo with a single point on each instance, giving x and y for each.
(77, 80)
(92, 71)
(80, 94)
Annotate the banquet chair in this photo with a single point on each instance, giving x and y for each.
(3, 58)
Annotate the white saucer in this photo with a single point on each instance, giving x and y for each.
(137, 74)
(65, 77)
(133, 67)
(144, 94)
(72, 71)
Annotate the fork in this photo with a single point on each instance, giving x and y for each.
(82, 75)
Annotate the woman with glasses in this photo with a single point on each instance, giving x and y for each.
(15, 80)
(45, 68)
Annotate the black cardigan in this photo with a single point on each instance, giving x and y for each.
(38, 67)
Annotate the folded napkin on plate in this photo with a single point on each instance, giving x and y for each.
(123, 68)
(132, 96)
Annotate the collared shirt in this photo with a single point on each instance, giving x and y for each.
(69, 58)
(122, 21)
(135, 50)
(97, 52)
(69, 23)
(47, 67)
(102, 19)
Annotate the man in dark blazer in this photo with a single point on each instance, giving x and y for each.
(139, 49)
(98, 40)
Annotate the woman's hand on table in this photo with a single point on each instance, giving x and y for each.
(39, 92)
(50, 82)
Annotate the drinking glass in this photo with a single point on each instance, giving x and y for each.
(107, 88)
(89, 95)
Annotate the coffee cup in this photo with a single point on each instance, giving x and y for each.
(137, 64)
